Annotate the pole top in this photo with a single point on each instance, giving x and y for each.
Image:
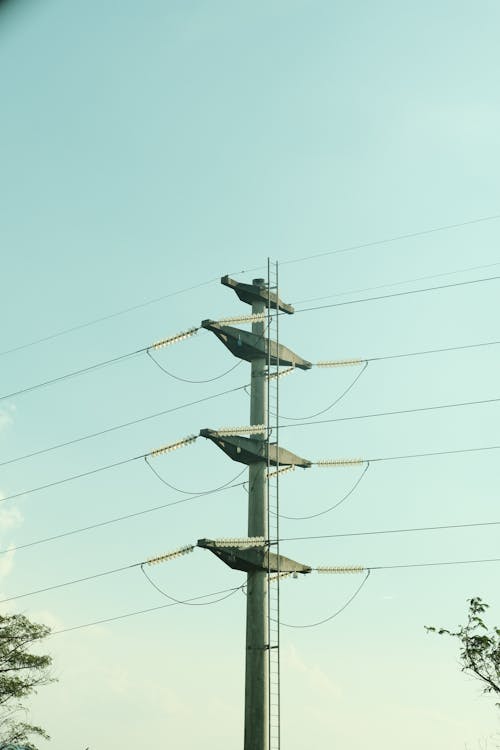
(257, 292)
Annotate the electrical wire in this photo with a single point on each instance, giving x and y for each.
(155, 300)
(185, 380)
(396, 412)
(435, 564)
(232, 591)
(121, 426)
(233, 390)
(433, 351)
(188, 603)
(111, 466)
(335, 614)
(334, 403)
(395, 238)
(397, 283)
(135, 458)
(117, 519)
(114, 360)
(223, 591)
(397, 294)
(70, 583)
(104, 573)
(71, 478)
(140, 612)
(123, 357)
(73, 373)
(103, 318)
(391, 531)
(332, 507)
(129, 355)
(80, 476)
(190, 492)
(435, 453)
(371, 568)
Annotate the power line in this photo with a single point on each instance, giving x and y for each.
(395, 238)
(435, 564)
(188, 603)
(103, 318)
(332, 507)
(121, 426)
(397, 283)
(397, 294)
(118, 519)
(73, 477)
(73, 373)
(238, 588)
(143, 611)
(396, 412)
(433, 351)
(421, 352)
(155, 300)
(435, 453)
(146, 349)
(102, 574)
(336, 401)
(154, 415)
(120, 358)
(143, 455)
(335, 614)
(113, 571)
(415, 529)
(186, 380)
(157, 452)
(190, 492)
(368, 570)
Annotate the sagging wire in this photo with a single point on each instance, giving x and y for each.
(335, 614)
(166, 342)
(151, 561)
(105, 363)
(328, 510)
(135, 613)
(193, 492)
(334, 403)
(188, 603)
(187, 380)
(158, 451)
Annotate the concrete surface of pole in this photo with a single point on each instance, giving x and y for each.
(256, 667)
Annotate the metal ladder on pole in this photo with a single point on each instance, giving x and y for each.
(273, 579)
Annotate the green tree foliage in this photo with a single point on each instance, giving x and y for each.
(21, 674)
(480, 646)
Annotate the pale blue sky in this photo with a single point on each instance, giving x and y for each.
(149, 147)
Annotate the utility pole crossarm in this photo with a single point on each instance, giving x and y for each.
(250, 559)
(250, 293)
(251, 346)
(249, 451)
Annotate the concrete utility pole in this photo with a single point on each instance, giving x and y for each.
(253, 555)
(256, 664)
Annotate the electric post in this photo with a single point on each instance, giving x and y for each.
(253, 555)
(256, 663)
